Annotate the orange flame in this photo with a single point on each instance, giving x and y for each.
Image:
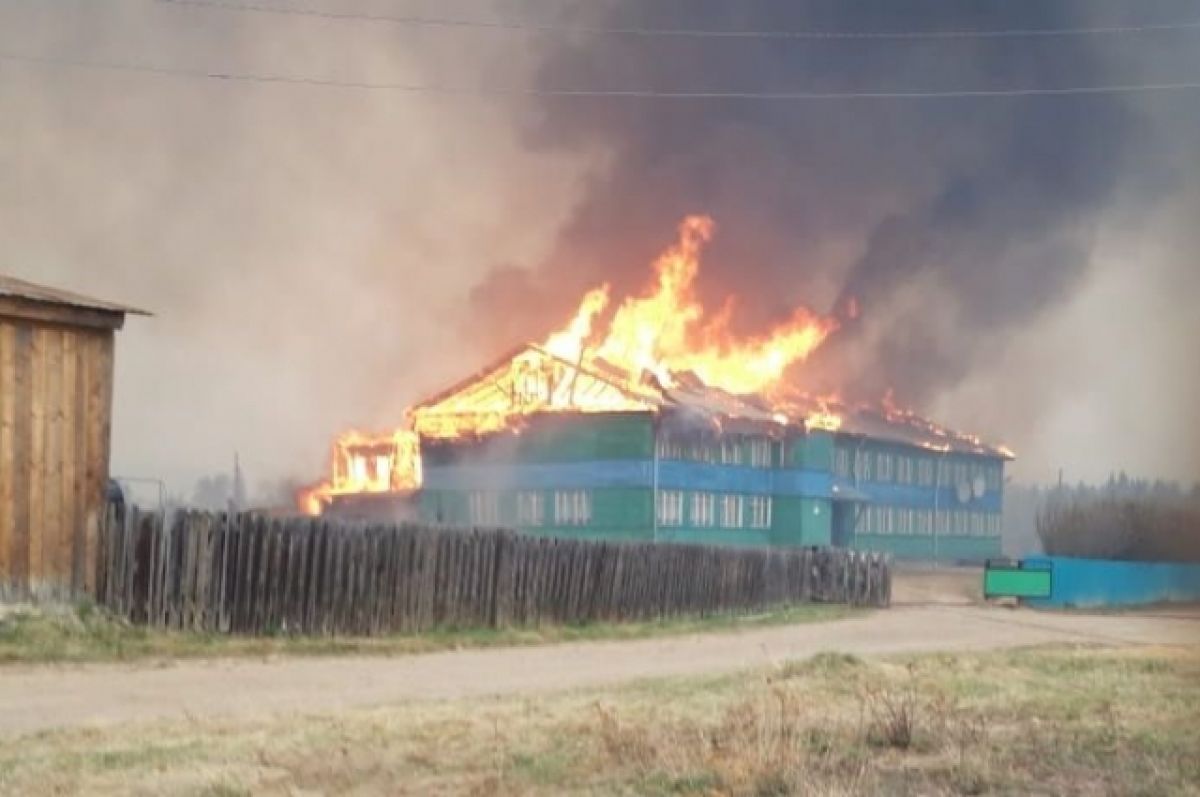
(664, 332)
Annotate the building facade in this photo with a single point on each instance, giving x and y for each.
(660, 475)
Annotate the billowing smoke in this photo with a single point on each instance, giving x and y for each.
(953, 223)
(1026, 267)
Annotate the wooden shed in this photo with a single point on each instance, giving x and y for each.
(56, 384)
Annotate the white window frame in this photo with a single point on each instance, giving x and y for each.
(732, 511)
(760, 511)
(670, 508)
(883, 466)
(531, 508)
(731, 451)
(572, 508)
(760, 452)
(704, 510)
(483, 508)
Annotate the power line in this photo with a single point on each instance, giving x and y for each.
(638, 94)
(684, 33)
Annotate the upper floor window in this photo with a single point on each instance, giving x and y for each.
(731, 452)
(841, 462)
(862, 466)
(760, 453)
(883, 471)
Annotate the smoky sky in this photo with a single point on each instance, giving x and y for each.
(319, 259)
(995, 202)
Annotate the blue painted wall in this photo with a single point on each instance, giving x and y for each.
(1099, 582)
(672, 475)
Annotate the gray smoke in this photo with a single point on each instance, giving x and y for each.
(953, 223)
(1026, 268)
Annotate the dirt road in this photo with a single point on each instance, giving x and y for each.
(34, 699)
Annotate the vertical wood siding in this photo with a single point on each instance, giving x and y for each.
(55, 406)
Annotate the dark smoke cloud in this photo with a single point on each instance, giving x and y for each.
(990, 207)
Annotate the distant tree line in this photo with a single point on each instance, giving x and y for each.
(1125, 519)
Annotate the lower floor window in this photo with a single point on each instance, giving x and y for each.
(731, 511)
(704, 509)
(572, 508)
(670, 508)
(760, 512)
(531, 509)
(484, 508)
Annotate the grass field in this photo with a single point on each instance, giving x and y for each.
(86, 634)
(1041, 721)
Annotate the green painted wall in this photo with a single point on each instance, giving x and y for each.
(617, 512)
(813, 451)
(922, 547)
(800, 521)
(716, 536)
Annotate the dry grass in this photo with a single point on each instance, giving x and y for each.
(1049, 721)
(87, 634)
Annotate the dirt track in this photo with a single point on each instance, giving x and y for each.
(41, 698)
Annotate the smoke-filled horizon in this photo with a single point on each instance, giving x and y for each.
(319, 259)
(955, 226)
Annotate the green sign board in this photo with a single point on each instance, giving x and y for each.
(1014, 582)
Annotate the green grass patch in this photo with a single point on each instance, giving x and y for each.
(88, 634)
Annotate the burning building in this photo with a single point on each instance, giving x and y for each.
(668, 427)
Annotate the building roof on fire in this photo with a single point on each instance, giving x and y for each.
(529, 380)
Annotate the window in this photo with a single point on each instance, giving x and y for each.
(760, 512)
(760, 453)
(883, 470)
(704, 509)
(484, 509)
(572, 508)
(862, 466)
(702, 451)
(994, 477)
(841, 462)
(669, 447)
(731, 452)
(531, 509)
(925, 472)
(731, 511)
(670, 508)
(944, 476)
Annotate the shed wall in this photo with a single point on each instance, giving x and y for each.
(55, 410)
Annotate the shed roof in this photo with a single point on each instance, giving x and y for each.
(29, 291)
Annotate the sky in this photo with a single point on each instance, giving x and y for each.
(319, 258)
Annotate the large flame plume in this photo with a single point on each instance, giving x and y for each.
(662, 334)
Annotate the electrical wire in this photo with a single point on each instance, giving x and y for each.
(639, 94)
(683, 33)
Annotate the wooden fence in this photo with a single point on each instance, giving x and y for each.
(247, 574)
